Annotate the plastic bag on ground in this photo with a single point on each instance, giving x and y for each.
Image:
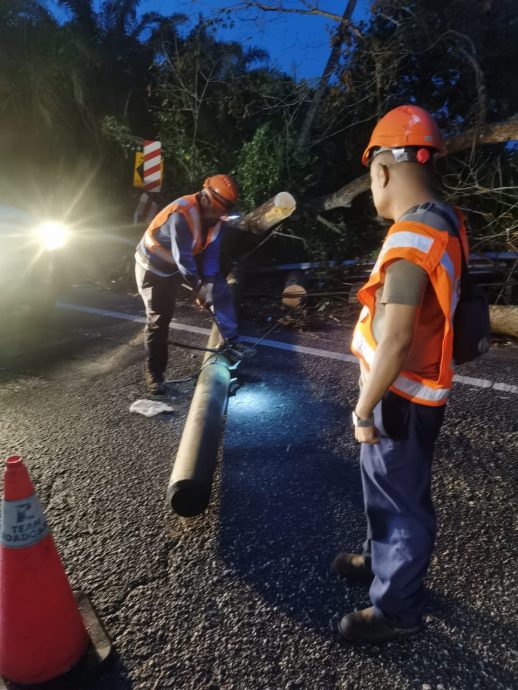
(150, 408)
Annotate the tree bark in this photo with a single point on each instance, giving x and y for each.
(504, 319)
(343, 197)
(496, 133)
(267, 215)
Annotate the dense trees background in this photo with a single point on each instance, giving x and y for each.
(77, 98)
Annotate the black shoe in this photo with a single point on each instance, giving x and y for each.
(352, 566)
(155, 383)
(237, 350)
(366, 626)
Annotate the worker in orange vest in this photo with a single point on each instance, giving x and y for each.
(404, 341)
(182, 245)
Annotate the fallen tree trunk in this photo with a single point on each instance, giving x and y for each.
(190, 485)
(343, 197)
(264, 217)
(497, 133)
(504, 319)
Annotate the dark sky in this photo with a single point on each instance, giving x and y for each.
(297, 44)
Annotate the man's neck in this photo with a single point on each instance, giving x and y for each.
(409, 200)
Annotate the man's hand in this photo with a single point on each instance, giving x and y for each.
(364, 429)
(366, 434)
(205, 295)
(389, 359)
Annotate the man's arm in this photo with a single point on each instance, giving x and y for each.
(210, 259)
(209, 270)
(181, 248)
(389, 359)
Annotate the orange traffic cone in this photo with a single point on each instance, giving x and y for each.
(42, 634)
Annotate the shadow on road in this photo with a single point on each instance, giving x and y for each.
(444, 657)
(112, 675)
(291, 496)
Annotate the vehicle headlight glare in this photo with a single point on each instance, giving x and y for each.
(53, 235)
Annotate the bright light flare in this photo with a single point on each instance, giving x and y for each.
(53, 235)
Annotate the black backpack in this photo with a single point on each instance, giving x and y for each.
(471, 327)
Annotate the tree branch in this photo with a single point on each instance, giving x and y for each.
(278, 8)
(497, 133)
(343, 197)
(330, 67)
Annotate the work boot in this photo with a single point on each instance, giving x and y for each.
(352, 566)
(240, 350)
(155, 383)
(368, 625)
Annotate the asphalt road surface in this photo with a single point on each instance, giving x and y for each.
(242, 598)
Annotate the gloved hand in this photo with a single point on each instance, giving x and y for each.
(204, 296)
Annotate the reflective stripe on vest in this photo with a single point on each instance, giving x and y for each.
(432, 250)
(420, 242)
(403, 239)
(195, 228)
(188, 207)
(409, 388)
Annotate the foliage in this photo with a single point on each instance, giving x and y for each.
(456, 59)
(119, 133)
(261, 165)
(209, 98)
(79, 96)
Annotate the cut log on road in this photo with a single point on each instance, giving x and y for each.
(190, 484)
(504, 319)
(295, 289)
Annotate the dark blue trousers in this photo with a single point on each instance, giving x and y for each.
(396, 479)
(159, 296)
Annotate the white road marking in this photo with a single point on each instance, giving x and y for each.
(316, 352)
(279, 345)
(128, 317)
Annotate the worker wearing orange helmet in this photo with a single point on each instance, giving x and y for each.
(182, 245)
(404, 342)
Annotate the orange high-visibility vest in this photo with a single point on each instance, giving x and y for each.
(190, 210)
(439, 254)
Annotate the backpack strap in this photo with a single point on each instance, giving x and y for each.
(466, 282)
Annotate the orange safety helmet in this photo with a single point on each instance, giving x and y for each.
(222, 189)
(406, 125)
